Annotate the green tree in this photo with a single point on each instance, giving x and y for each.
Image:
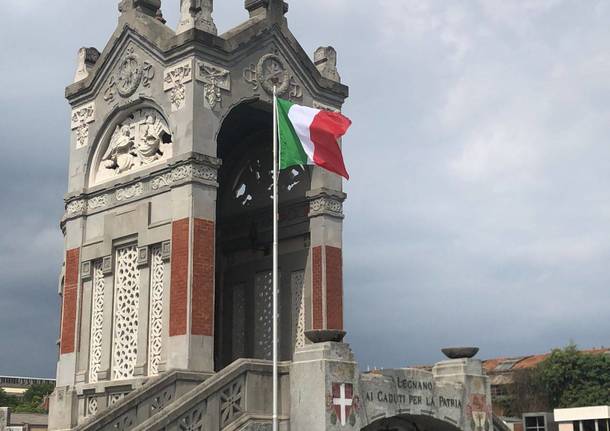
(33, 398)
(571, 378)
(7, 400)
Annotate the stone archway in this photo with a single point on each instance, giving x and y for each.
(408, 422)
(244, 239)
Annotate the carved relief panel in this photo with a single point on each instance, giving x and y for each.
(141, 140)
(81, 119)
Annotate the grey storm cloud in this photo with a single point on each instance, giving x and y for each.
(478, 210)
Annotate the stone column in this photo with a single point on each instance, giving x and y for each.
(141, 368)
(324, 380)
(469, 373)
(191, 316)
(326, 259)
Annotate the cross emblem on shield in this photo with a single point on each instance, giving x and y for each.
(343, 401)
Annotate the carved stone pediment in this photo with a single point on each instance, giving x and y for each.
(141, 140)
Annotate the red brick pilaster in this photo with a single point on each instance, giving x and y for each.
(334, 288)
(70, 298)
(317, 294)
(179, 278)
(203, 278)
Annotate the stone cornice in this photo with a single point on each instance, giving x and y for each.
(326, 202)
(195, 169)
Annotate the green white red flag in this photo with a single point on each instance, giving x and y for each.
(311, 136)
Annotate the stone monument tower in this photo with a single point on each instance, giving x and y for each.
(166, 288)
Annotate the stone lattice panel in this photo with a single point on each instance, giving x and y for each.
(193, 420)
(97, 322)
(239, 321)
(263, 310)
(157, 276)
(297, 283)
(231, 403)
(127, 300)
(92, 406)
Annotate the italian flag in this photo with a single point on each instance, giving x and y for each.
(310, 136)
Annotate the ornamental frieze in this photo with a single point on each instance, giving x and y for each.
(190, 171)
(185, 172)
(326, 205)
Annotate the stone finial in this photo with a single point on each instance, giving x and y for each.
(87, 57)
(147, 7)
(275, 9)
(196, 14)
(325, 59)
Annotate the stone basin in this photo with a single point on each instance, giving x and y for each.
(460, 352)
(325, 335)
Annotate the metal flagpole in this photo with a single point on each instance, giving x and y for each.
(275, 258)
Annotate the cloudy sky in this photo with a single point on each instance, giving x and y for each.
(479, 205)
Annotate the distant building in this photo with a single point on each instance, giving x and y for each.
(595, 418)
(22, 421)
(502, 371)
(18, 385)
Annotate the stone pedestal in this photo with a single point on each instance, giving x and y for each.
(5, 418)
(324, 378)
(477, 390)
(63, 409)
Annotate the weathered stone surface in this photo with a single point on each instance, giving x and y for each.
(148, 7)
(196, 14)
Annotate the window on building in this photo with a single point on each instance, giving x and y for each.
(588, 425)
(534, 423)
(507, 365)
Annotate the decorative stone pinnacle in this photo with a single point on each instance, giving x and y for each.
(274, 8)
(325, 59)
(196, 14)
(87, 57)
(147, 7)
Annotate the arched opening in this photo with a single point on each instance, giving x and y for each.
(244, 240)
(411, 423)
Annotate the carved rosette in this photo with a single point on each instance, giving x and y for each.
(214, 79)
(326, 205)
(175, 79)
(271, 71)
(131, 73)
(81, 118)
